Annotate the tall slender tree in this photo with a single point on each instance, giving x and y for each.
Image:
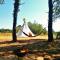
(16, 8)
(50, 33)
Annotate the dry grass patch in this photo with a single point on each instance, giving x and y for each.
(8, 37)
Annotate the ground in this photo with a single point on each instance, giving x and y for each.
(8, 37)
(39, 47)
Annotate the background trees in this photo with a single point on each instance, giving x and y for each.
(56, 9)
(56, 13)
(37, 28)
(5, 30)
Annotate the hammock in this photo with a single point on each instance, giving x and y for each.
(29, 34)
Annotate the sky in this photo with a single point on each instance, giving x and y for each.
(31, 10)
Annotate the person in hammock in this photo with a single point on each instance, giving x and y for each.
(30, 35)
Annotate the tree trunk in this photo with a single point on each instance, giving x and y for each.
(16, 6)
(50, 33)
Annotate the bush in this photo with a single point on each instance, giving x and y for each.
(58, 35)
(37, 28)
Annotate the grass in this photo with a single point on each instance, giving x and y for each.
(8, 37)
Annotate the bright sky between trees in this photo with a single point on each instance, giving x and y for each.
(32, 10)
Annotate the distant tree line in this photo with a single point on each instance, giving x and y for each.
(34, 27)
(5, 30)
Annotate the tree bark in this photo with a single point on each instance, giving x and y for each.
(50, 33)
(16, 8)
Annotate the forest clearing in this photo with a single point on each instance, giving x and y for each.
(29, 32)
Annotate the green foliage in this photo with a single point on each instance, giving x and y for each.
(56, 9)
(44, 31)
(37, 28)
(58, 35)
(18, 28)
(5, 30)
